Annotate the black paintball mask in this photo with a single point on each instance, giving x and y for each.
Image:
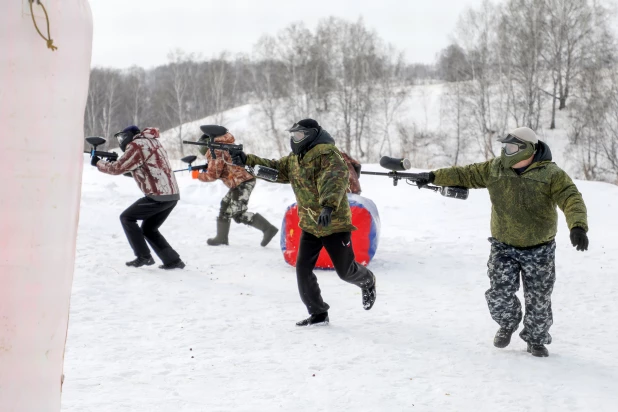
(302, 135)
(126, 136)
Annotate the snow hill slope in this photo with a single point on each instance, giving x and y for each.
(426, 109)
(220, 336)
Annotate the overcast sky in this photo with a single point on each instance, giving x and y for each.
(142, 32)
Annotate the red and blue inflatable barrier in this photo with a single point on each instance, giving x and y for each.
(364, 240)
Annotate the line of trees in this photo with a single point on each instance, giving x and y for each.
(544, 64)
(522, 62)
(341, 70)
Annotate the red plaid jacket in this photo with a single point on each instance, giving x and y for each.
(146, 159)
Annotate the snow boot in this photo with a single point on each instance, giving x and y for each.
(369, 294)
(319, 319)
(141, 261)
(259, 222)
(223, 229)
(539, 350)
(177, 264)
(503, 338)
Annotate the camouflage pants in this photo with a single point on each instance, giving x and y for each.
(538, 273)
(235, 203)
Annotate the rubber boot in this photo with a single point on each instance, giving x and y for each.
(223, 229)
(259, 222)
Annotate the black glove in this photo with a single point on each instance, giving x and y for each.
(579, 239)
(324, 218)
(94, 160)
(239, 158)
(357, 169)
(423, 179)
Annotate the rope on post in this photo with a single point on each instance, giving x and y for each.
(48, 39)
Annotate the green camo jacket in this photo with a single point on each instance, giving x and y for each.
(319, 179)
(523, 207)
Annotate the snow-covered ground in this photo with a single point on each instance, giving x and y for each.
(220, 335)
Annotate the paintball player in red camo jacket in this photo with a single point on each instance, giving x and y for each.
(145, 158)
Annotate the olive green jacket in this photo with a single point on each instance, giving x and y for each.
(320, 178)
(523, 207)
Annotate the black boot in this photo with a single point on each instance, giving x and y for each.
(141, 261)
(539, 350)
(177, 264)
(503, 338)
(259, 222)
(369, 294)
(223, 229)
(319, 319)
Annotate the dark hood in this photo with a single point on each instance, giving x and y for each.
(323, 137)
(542, 154)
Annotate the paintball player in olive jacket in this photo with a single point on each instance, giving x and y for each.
(146, 160)
(524, 187)
(319, 177)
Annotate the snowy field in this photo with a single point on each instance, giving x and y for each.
(220, 335)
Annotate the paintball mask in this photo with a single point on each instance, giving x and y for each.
(516, 148)
(301, 137)
(126, 136)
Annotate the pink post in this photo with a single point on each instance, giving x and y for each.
(42, 100)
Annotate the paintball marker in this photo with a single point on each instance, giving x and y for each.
(215, 146)
(95, 141)
(189, 160)
(213, 131)
(262, 172)
(397, 165)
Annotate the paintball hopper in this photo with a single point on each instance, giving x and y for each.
(213, 130)
(95, 141)
(394, 164)
(189, 160)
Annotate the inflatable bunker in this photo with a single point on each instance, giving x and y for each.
(364, 240)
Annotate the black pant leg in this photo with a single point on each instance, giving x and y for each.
(137, 211)
(339, 248)
(150, 228)
(308, 252)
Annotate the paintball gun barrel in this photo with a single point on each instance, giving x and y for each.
(216, 146)
(397, 165)
(95, 141)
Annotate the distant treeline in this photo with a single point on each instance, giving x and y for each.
(512, 63)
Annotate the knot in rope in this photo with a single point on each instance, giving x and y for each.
(48, 39)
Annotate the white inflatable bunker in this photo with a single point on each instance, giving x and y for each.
(42, 100)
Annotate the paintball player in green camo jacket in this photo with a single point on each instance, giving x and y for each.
(524, 187)
(319, 177)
